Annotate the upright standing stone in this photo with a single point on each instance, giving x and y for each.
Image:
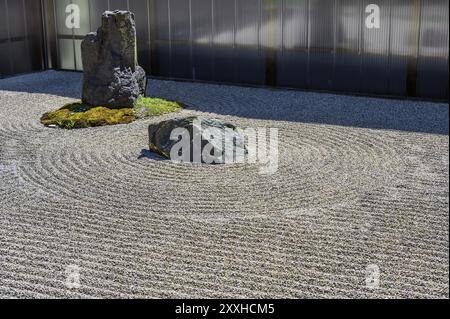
(112, 76)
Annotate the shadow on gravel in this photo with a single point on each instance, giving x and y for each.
(64, 84)
(309, 107)
(265, 104)
(150, 155)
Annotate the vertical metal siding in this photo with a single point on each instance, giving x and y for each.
(20, 36)
(118, 4)
(432, 68)
(403, 44)
(201, 37)
(292, 63)
(5, 45)
(35, 34)
(140, 8)
(375, 47)
(249, 61)
(271, 40)
(160, 38)
(348, 53)
(95, 9)
(224, 26)
(315, 44)
(180, 35)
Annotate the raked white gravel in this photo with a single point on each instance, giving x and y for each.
(361, 182)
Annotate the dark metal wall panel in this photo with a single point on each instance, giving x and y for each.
(348, 53)
(179, 13)
(33, 13)
(432, 68)
(96, 8)
(375, 46)
(140, 9)
(5, 45)
(224, 24)
(4, 32)
(160, 19)
(16, 18)
(270, 41)
(118, 4)
(20, 36)
(180, 33)
(160, 37)
(404, 33)
(321, 44)
(21, 61)
(202, 52)
(5, 59)
(250, 62)
(315, 44)
(248, 15)
(292, 60)
(49, 34)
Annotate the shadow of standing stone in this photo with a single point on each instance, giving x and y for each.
(112, 76)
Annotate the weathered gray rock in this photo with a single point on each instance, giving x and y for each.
(199, 140)
(112, 77)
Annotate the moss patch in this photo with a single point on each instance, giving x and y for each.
(79, 115)
(146, 107)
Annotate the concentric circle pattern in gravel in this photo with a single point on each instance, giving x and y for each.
(361, 181)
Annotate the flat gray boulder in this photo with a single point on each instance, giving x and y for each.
(112, 76)
(197, 140)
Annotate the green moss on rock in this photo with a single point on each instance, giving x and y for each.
(78, 115)
(146, 107)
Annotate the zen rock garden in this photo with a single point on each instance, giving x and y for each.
(113, 92)
(122, 192)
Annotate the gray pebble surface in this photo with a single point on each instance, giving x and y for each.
(361, 181)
